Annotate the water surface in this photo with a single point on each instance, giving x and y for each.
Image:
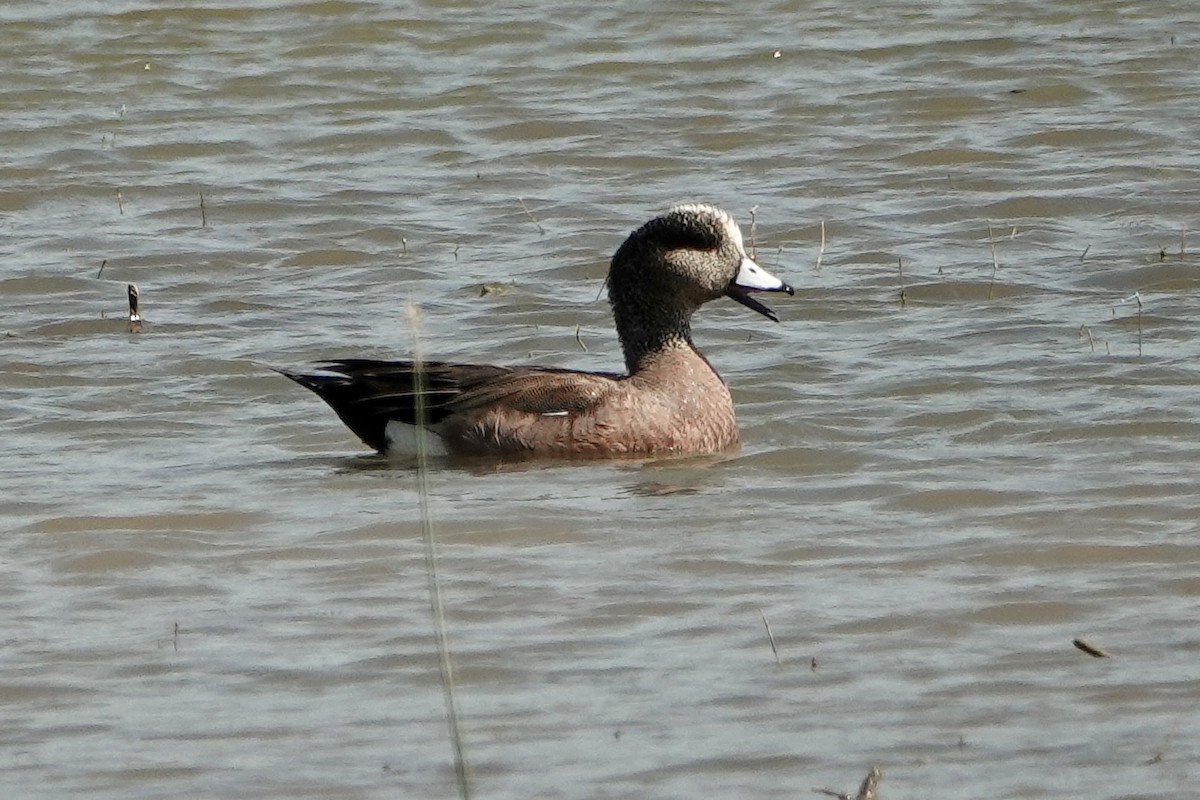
(972, 439)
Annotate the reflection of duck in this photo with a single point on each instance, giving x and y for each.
(671, 401)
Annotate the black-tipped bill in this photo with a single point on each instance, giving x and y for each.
(753, 278)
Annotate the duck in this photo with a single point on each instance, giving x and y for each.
(670, 401)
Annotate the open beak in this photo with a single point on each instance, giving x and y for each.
(753, 278)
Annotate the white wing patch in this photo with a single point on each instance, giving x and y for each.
(402, 440)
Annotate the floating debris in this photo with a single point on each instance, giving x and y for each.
(1091, 649)
(495, 288)
(135, 319)
(866, 791)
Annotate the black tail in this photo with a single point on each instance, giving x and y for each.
(368, 394)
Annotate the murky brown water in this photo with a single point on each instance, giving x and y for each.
(210, 590)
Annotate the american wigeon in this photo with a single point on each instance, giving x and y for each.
(671, 401)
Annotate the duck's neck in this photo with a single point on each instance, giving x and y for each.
(647, 333)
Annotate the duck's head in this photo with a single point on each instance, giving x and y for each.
(690, 255)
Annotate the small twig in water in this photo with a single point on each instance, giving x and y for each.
(1138, 295)
(831, 793)
(903, 293)
(579, 339)
(754, 233)
(203, 213)
(103, 264)
(541, 230)
(120, 205)
(770, 636)
(1091, 649)
(821, 252)
(995, 264)
(403, 246)
(1085, 330)
(456, 251)
(1083, 255)
(1161, 754)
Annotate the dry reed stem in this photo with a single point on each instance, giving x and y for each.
(120, 205)
(541, 230)
(903, 293)
(754, 233)
(995, 263)
(1085, 330)
(1138, 295)
(770, 636)
(436, 605)
(203, 213)
(579, 338)
(174, 640)
(821, 252)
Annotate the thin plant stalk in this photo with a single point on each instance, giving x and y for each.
(821, 252)
(995, 263)
(437, 607)
(1138, 297)
(529, 213)
(754, 233)
(770, 636)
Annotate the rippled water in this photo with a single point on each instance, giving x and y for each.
(973, 438)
